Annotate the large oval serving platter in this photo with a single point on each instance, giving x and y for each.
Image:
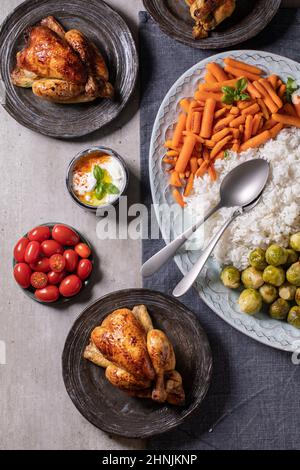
(249, 18)
(222, 301)
(106, 29)
(114, 411)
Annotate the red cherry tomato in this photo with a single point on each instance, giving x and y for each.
(65, 235)
(39, 280)
(39, 234)
(41, 266)
(51, 247)
(19, 250)
(71, 258)
(56, 278)
(57, 263)
(32, 252)
(48, 294)
(84, 269)
(70, 286)
(22, 273)
(83, 250)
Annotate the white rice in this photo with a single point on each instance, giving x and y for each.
(273, 219)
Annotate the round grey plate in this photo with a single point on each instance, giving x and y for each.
(99, 23)
(111, 409)
(249, 18)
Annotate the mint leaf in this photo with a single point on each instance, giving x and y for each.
(241, 84)
(111, 189)
(291, 87)
(100, 191)
(235, 94)
(226, 154)
(244, 97)
(98, 173)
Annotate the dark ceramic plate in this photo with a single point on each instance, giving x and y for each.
(62, 300)
(111, 409)
(102, 25)
(249, 18)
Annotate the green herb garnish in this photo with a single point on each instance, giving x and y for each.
(226, 154)
(235, 94)
(291, 87)
(103, 188)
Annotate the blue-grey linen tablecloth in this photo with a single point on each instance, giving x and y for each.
(254, 398)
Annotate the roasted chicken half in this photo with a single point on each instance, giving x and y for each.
(138, 359)
(208, 14)
(61, 67)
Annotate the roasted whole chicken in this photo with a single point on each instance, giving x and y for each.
(208, 14)
(61, 67)
(138, 359)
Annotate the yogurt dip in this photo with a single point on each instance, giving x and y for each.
(98, 179)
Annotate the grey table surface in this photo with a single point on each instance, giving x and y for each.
(35, 410)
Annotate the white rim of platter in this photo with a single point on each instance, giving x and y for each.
(222, 301)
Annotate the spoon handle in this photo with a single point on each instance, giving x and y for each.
(188, 280)
(161, 257)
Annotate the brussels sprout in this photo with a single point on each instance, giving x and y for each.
(297, 296)
(294, 316)
(295, 241)
(292, 256)
(231, 277)
(274, 275)
(257, 259)
(293, 274)
(276, 255)
(287, 291)
(250, 301)
(269, 293)
(279, 309)
(252, 278)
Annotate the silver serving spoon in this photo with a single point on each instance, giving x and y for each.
(188, 280)
(238, 189)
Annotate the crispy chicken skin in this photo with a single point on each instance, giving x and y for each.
(208, 14)
(61, 67)
(138, 359)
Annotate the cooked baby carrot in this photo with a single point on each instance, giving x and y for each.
(169, 145)
(282, 90)
(217, 71)
(269, 124)
(256, 123)
(238, 72)
(219, 146)
(186, 153)
(220, 113)
(243, 66)
(256, 141)
(193, 164)
(289, 109)
(266, 97)
(276, 129)
(221, 134)
(178, 197)
(235, 133)
(168, 160)
(254, 93)
(209, 78)
(272, 93)
(287, 120)
(241, 128)
(209, 143)
(189, 185)
(196, 122)
(202, 170)
(199, 140)
(180, 126)
(263, 108)
(208, 117)
(235, 147)
(220, 155)
(189, 118)
(238, 121)
(253, 109)
(248, 127)
(205, 95)
(234, 110)
(244, 104)
(185, 104)
(175, 180)
(199, 162)
(217, 87)
(273, 79)
(172, 153)
(212, 172)
(206, 154)
(224, 122)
